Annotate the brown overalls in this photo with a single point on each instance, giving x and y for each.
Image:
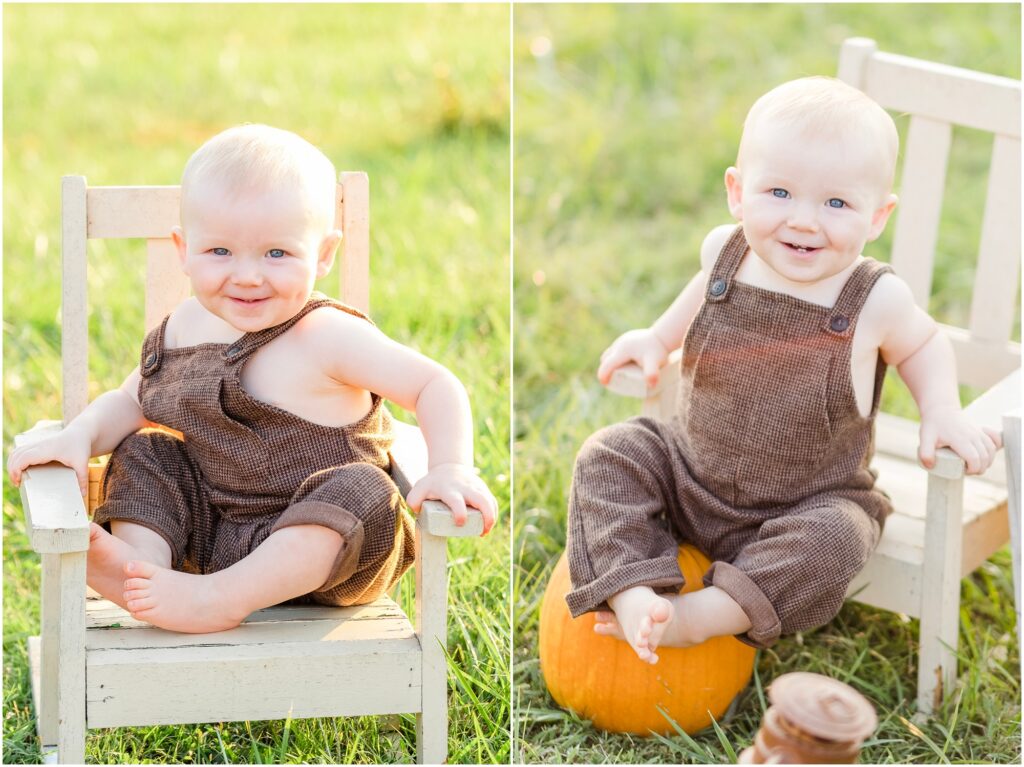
(764, 467)
(247, 468)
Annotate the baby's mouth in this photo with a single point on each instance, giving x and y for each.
(803, 250)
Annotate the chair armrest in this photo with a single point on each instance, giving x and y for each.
(628, 380)
(54, 510)
(436, 519)
(987, 410)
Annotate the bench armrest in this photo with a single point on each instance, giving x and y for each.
(436, 519)
(628, 381)
(55, 515)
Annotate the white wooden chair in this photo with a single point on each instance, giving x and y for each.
(94, 666)
(917, 567)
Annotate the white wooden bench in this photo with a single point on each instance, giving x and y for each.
(95, 666)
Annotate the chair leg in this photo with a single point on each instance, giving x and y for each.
(940, 592)
(432, 629)
(61, 699)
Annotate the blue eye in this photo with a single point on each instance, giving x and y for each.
(220, 251)
(835, 202)
(780, 193)
(275, 253)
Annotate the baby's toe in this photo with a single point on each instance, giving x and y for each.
(138, 604)
(136, 584)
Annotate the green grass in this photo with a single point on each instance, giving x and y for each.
(625, 120)
(418, 96)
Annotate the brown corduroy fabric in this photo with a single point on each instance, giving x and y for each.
(247, 468)
(764, 466)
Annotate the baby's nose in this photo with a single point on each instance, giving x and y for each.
(804, 218)
(247, 274)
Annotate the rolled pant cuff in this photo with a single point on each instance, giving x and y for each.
(765, 626)
(343, 522)
(662, 574)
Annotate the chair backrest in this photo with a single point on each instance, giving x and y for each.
(937, 97)
(150, 212)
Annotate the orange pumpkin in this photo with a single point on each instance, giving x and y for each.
(602, 679)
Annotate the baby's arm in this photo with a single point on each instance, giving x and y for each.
(368, 359)
(650, 347)
(923, 356)
(95, 431)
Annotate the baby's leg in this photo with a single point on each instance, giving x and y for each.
(794, 575)
(691, 619)
(291, 562)
(340, 541)
(619, 546)
(108, 554)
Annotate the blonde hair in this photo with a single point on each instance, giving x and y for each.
(253, 157)
(826, 106)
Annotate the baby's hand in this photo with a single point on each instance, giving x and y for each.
(457, 486)
(70, 447)
(949, 427)
(640, 346)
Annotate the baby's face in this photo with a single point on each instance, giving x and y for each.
(253, 257)
(808, 204)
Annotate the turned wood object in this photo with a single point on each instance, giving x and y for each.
(812, 720)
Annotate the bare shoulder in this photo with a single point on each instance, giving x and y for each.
(892, 318)
(185, 315)
(713, 244)
(889, 301)
(327, 325)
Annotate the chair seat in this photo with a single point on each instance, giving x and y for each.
(900, 553)
(297, 661)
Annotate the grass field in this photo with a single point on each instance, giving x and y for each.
(419, 97)
(625, 119)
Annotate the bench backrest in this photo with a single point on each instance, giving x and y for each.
(937, 97)
(150, 212)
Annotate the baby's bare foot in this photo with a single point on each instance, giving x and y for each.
(641, 617)
(194, 604)
(104, 564)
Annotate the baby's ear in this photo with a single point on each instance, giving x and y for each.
(327, 252)
(881, 216)
(734, 192)
(178, 238)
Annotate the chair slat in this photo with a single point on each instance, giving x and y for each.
(940, 92)
(354, 270)
(119, 212)
(917, 220)
(996, 280)
(74, 301)
(978, 364)
(166, 285)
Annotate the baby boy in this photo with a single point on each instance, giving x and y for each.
(282, 486)
(788, 331)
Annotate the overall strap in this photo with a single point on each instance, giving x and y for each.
(153, 349)
(842, 318)
(250, 342)
(724, 270)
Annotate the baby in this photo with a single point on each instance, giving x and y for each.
(282, 486)
(788, 331)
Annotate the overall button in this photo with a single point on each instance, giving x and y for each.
(234, 349)
(151, 360)
(839, 323)
(717, 287)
